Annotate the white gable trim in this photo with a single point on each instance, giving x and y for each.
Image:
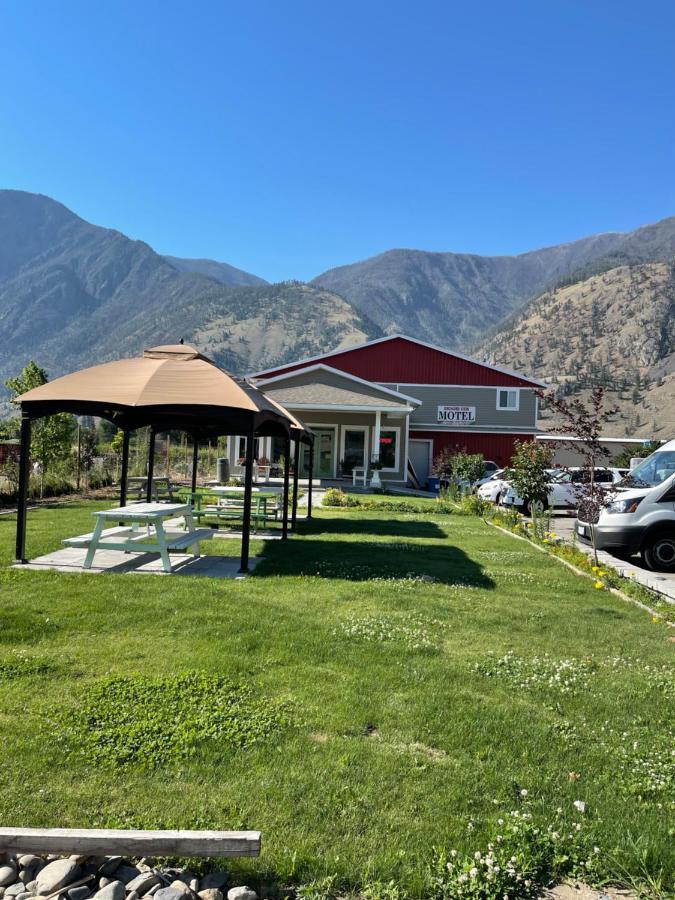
(262, 383)
(405, 337)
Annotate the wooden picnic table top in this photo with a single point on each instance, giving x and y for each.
(144, 512)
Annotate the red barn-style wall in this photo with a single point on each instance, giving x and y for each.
(404, 361)
(497, 447)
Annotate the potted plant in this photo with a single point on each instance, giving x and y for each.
(376, 466)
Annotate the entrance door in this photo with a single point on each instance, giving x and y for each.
(324, 454)
(419, 454)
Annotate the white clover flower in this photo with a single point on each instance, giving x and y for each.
(580, 805)
(473, 871)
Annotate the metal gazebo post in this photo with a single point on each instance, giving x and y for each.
(248, 492)
(195, 461)
(126, 435)
(24, 463)
(287, 472)
(296, 466)
(311, 473)
(151, 465)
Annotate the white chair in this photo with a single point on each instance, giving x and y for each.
(360, 473)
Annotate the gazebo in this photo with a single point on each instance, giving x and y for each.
(171, 387)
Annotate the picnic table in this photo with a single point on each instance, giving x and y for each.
(227, 503)
(161, 487)
(143, 532)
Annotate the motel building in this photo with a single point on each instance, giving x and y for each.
(399, 399)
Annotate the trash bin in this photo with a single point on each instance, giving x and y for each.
(222, 470)
(434, 484)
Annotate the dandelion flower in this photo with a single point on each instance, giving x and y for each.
(523, 793)
(655, 619)
(599, 585)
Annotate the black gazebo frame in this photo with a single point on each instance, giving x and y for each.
(201, 422)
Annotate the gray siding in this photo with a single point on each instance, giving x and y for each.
(484, 399)
(312, 382)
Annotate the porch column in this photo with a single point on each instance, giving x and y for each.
(151, 466)
(248, 492)
(195, 461)
(310, 452)
(287, 472)
(296, 466)
(24, 473)
(124, 476)
(376, 435)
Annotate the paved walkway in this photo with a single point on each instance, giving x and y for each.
(658, 581)
(71, 559)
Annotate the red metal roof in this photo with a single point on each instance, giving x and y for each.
(402, 360)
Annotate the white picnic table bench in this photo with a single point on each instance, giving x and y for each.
(140, 529)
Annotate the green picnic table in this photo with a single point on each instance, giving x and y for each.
(227, 503)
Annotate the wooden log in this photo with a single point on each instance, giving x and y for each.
(110, 841)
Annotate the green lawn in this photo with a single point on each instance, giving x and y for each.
(371, 719)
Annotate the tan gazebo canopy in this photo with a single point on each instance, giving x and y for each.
(171, 387)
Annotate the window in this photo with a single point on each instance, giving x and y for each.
(353, 448)
(389, 449)
(508, 399)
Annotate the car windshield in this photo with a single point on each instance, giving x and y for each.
(654, 470)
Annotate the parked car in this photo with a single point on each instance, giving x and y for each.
(489, 468)
(641, 517)
(565, 488)
(492, 486)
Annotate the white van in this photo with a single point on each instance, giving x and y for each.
(641, 516)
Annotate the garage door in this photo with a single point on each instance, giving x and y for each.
(419, 453)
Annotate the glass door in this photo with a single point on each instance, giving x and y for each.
(324, 454)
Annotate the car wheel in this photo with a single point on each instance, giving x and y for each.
(658, 552)
(535, 506)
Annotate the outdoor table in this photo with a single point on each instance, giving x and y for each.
(137, 539)
(259, 500)
(160, 484)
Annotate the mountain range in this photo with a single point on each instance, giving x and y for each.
(74, 294)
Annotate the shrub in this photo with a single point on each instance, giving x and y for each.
(337, 497)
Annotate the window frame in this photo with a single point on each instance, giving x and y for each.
(508, 390)
(366, 440)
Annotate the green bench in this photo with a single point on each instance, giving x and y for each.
(216, 507)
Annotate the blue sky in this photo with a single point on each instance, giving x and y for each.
(290, 137)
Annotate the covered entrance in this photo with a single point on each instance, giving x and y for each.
(324, 454)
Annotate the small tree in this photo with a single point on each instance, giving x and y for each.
(468, 467)
(528, 474)
(52, 435)
(585, 422)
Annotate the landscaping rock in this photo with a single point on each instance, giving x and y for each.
(126, 874)
(7, 874)
(26, 875)
(82, 892)
(32, 886)
(110, 865)
(13, 889)
(169, 893)
(213, 880)
(56, 875)
(29, 861)
(24, 895)
(114, 890)
(143, 882)
(241, 893)
(211, 894)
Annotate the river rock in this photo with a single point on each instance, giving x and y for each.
(32, 886)
(13, 889)
(56, 875)
(181, 886)
(213, 880)
(242, 893)
(26, 875)
(143, 882)
(29, 861)
(115, 890)
(126, 873)
(82, 892)
(7, 874)
(169, 893)
(211, 894)
(110, 865)
(24, 895)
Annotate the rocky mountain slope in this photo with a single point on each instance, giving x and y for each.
(218, 271)
(74, 294)
(615, 329)
(453, 299)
